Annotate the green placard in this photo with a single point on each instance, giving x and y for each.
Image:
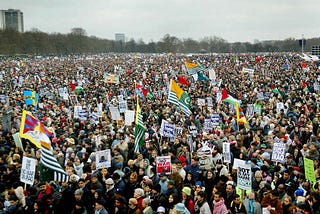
(309, 170)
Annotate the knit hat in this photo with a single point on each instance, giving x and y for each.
(180, 207)
(187, 190)
(161, 210)
(109, 181)
(299, 192)
(198, 184)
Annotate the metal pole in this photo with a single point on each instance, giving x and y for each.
(302, 43)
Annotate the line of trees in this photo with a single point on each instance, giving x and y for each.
(77, 42)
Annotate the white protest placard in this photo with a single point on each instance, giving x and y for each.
(123, 106)
(201, 102)
(215, 120)
(82, 115)
(244, 177)
(212, 74)
(177, 130)
(205, 157)
(40, 105)
(163, 122)
(250, 110)
(260, 96)
(111, 78)
(248, 70)
(28, 170)
(95, 118)
(4, 99)
(218, 97)
(278, 152)
(280, 106)
(99, 112)
(76, 111)
(168, 130)
(61, 92)
(163, 164)
(115, 114)
(120, 98)
(103, 159)
(237, 162)
(193, 130)
(66, 96)
(209, 101)
(226, 153)
(207, 124)
(128, 117)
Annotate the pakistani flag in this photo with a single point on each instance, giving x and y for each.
(178, 97)
(139, 129)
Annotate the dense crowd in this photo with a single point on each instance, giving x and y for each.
(132, 184)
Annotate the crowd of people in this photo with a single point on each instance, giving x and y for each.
(284, 85)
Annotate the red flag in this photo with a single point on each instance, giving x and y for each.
(72, 86)
(258, 59)
(304, 65)
(224, 94)
(183, 81)
(144, 92)
(139, 87)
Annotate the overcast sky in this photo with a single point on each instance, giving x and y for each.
(232, 20)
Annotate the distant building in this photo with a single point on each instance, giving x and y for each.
(11, 19)
(120, 37)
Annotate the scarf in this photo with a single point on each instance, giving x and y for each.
(251, 207)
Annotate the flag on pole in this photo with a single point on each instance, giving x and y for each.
(305, 87)
(178, 97)
(139, 129)
(31, 98)
(192, 68)
(275, 90)
(31, 129)
(50, 170)
(241, 118)
(228, 98)
(140, 91)
(182, 80)
(149, 95)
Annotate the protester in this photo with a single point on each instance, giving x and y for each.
(78, 101)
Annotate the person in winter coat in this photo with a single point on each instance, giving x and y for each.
(251, 205)
(133, 207)
(272, 203)
(236, 206)
(202, 206)
(79, 208)
(219, 206)
(99, 208)
(187, 199)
